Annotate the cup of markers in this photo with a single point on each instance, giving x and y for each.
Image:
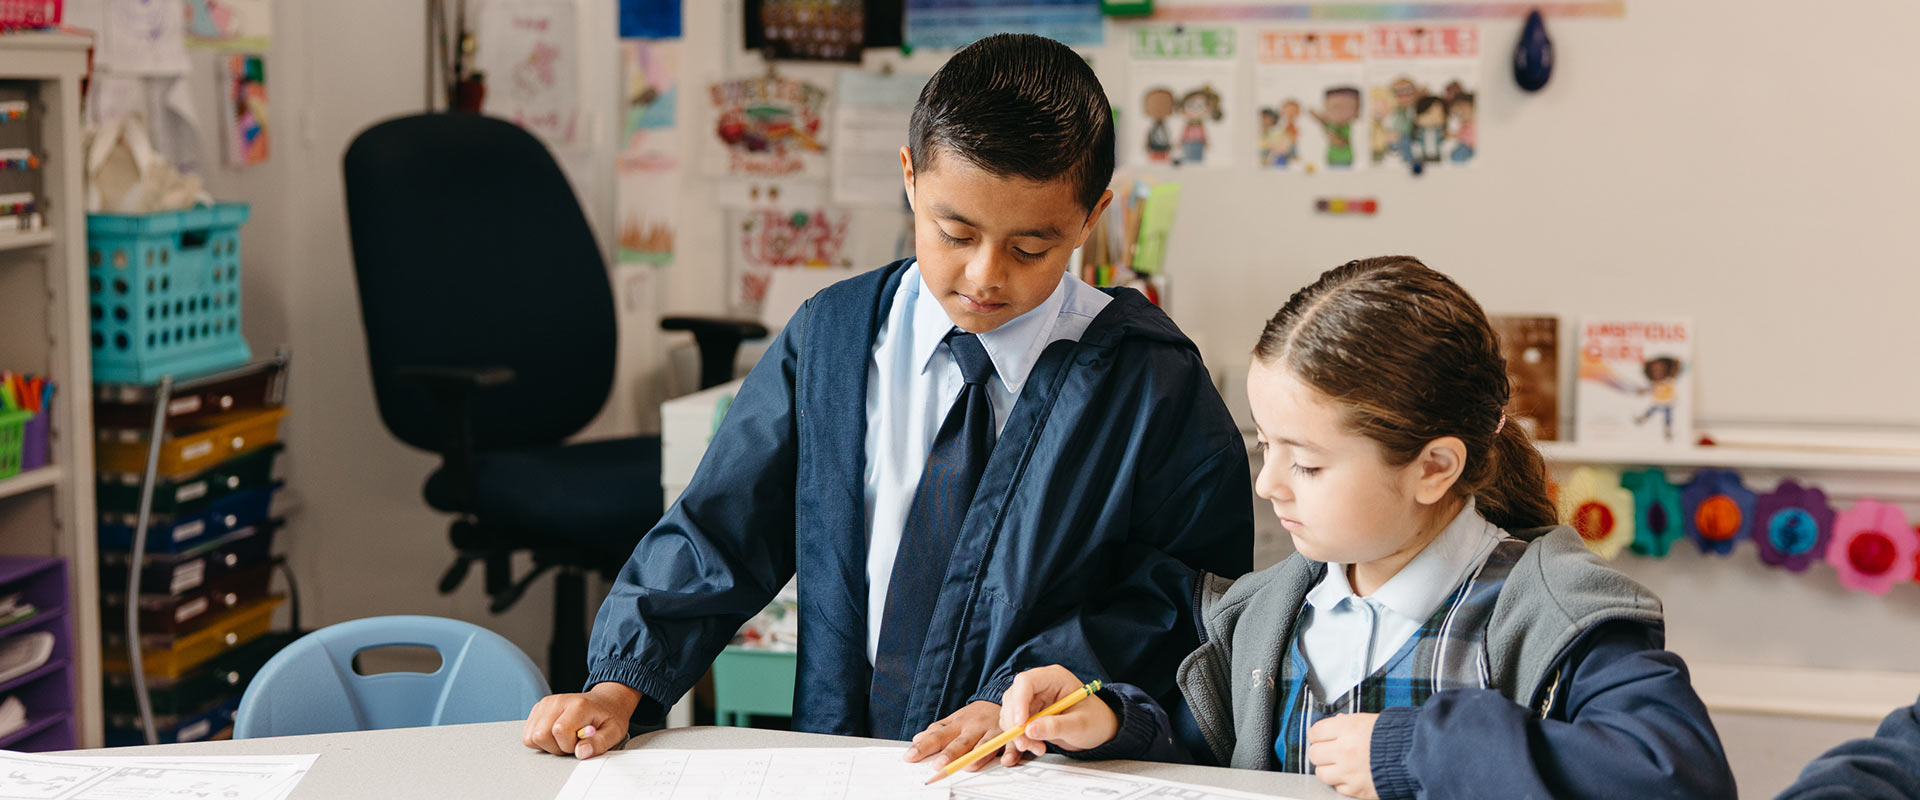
(25, 403)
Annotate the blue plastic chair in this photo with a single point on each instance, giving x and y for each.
(311, 687)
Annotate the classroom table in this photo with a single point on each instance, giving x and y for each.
(487, 760)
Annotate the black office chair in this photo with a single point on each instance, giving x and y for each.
(490, 330)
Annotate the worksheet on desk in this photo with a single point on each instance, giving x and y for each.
(26, 776)
(1044, 781)
(845, 774)
(758, 774)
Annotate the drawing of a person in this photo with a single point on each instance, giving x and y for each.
(1429, 129)
(1158, 106)
(1464, 130)
(1400, 122)
(1663, 374)
(1342, 108)
(1199, 107)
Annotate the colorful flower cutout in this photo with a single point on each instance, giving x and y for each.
(1595, 504)
(1719, 510)
(1792, 526)
(1656, 512)
(1872, 548)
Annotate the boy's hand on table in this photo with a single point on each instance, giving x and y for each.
(1341, 749)
(1088, 724)
(955, 736)
(553, 723)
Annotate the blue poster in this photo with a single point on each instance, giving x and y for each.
(952, 24)
(649, 19)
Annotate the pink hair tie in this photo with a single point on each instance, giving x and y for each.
(1502, 426)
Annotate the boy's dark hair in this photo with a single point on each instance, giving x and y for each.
(1423, 104)
(1018, 105)
(1409, 357)
(1346, 90)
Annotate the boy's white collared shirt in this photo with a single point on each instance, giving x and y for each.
(912, 383)
(1348, 637)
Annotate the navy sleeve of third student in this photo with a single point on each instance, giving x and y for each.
(1148, 732)
(718, 555)
(1885, 767)
(1627, 724)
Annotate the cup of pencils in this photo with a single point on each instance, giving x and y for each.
(31, 396)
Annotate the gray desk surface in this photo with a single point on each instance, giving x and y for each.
(487, 760)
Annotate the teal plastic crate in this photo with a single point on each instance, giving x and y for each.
(165, 293)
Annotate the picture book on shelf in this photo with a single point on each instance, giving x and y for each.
(1635, 382)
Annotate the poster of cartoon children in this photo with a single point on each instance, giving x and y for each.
(1423, 83)
(1182, 111)
(1307, 91)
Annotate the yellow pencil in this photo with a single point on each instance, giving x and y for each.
(997, 742)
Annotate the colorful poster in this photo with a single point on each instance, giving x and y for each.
(650, 19)
(768, 127)
(647, 189)
(953, 24)
(647, 205)
(809, 30)
(1635, 382)
(649, 132)
(243, 102)
(1182, 110)
(1308, 90)
(779, 225)
(230, 24)
(527, 51)
(1423, 95)
(141, 37)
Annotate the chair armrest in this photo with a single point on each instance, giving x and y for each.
(449, 387)
(440, 377)
(719, 341)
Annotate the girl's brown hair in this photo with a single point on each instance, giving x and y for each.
(1410, 358)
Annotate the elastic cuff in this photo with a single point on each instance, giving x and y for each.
(654, 690)
(1136, 732)
(1391, 744)
(993, 690)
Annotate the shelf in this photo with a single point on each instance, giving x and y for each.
(31, 480)
(1780, 459)
(14, 240)
(42, 671)
(32, 728)
(1804, 692)
(32, 622)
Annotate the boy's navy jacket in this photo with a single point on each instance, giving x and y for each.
(1118, 477)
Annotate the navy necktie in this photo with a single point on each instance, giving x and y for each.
(940, 503)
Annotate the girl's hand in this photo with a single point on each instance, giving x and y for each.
(1341, 749)
(1088, 724)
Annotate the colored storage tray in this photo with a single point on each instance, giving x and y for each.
(189, 450)
(198, 689)
(178, 573)
(164, 618)
(242, 625)
(124, 730)
(178, 534)
(119, 492)
(261, 384)
(164, 290)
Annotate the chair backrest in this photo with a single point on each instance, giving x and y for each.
(470, 250)
(311, 686)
